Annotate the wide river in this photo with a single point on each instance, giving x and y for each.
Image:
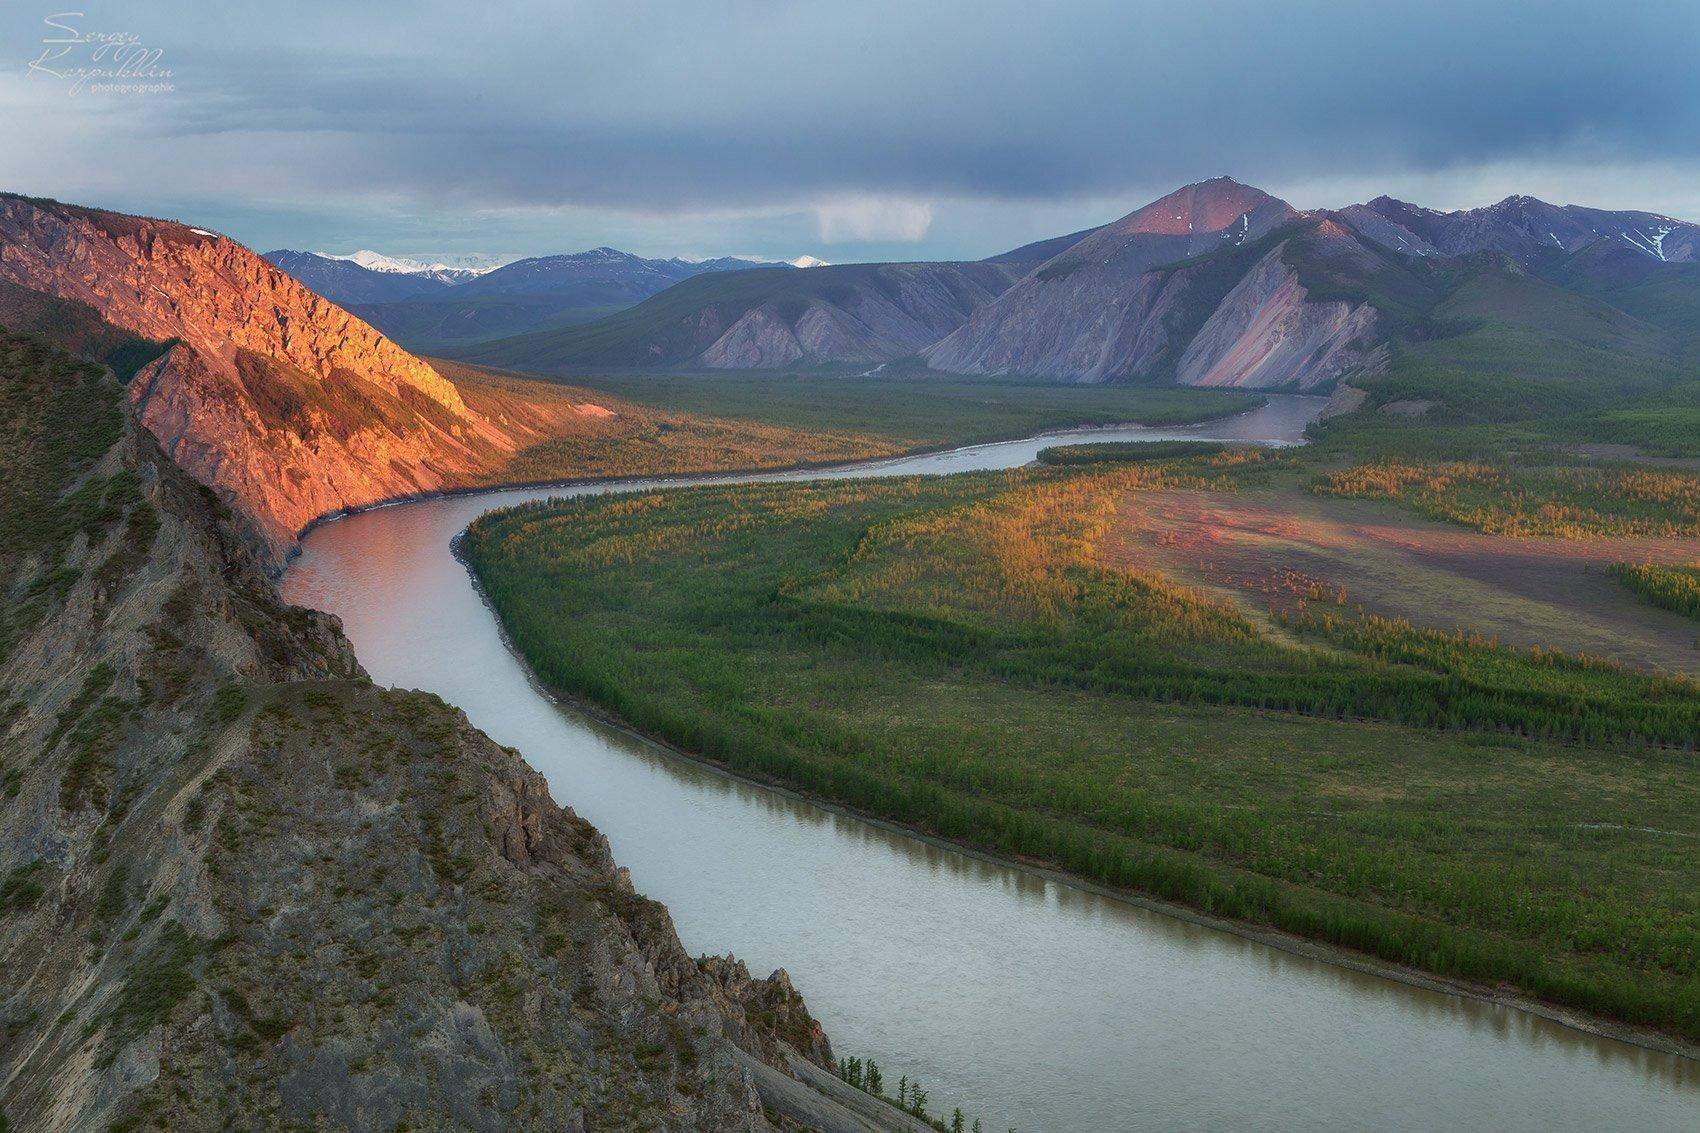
(1028, 1001)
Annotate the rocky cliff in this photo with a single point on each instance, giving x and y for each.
(1269, 333)
(240, 886)
(272, 395)
(1106, 307)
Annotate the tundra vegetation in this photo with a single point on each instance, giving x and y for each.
(970, 656)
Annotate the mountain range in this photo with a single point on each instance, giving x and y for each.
(1215, 284)
(435, 306)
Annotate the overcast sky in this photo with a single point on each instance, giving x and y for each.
(909, 129)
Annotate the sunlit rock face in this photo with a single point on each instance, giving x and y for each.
(284, 402)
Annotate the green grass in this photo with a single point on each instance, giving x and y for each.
(1127, 452)
(948, 653)
(917, 409)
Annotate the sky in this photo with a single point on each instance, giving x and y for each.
(850, 131)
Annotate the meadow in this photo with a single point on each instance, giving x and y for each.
(966, 655)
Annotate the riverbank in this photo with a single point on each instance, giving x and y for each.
(1007, 991)
(944, 672)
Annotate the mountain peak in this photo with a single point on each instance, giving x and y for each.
(1205, 207)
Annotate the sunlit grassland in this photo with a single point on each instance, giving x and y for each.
(954, 654)
(1568, 502)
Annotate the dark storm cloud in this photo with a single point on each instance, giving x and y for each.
(693, 108)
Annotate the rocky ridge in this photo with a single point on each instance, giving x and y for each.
(267, 392)
(242, 886)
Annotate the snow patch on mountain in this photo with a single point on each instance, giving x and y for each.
(453, 269)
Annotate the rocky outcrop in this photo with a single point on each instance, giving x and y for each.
(1266, 334)
(1118, 302)
(272, 395)
(242, 886)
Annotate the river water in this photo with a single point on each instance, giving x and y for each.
(1030, 1002)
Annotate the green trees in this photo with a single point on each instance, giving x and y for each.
(952, 653)
(1672, 587)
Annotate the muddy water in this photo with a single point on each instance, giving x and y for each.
(1033, 1003)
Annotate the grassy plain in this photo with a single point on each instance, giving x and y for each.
(977, 657)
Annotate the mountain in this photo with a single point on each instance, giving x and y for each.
(1526, 229)
(530, 294)
(770, 316)
(348, 281)
(1221, 284)
(256, 386)
(1100, 307)
(442, 272)
(240, 883)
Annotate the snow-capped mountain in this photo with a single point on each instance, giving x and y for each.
(462, 269)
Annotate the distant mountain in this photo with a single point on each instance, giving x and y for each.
(771, 316)
(1221, 284)
(434, 269)
(348, 281)
(1523, 228)
(437, 308)
(1099, 308)
(1216, 283)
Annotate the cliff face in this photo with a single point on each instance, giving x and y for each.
(1113, 304)
(274, 396)
(239, 883)
(1268, 334)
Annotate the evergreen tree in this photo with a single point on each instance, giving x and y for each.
(956, 1120)
(876, 1083)
(917, 1100)
(903, 1090)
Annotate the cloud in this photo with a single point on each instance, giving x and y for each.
(884, 124)
(865, 219)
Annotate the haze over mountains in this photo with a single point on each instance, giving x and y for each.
(1216, 284)
(426, 305)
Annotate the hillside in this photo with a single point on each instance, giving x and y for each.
(290, 407)
(236, 877)
(770, 317)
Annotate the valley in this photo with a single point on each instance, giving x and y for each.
(1337, 699)
(872, 568)
(1100, 985)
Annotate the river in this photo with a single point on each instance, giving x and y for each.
(1026, 1000)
